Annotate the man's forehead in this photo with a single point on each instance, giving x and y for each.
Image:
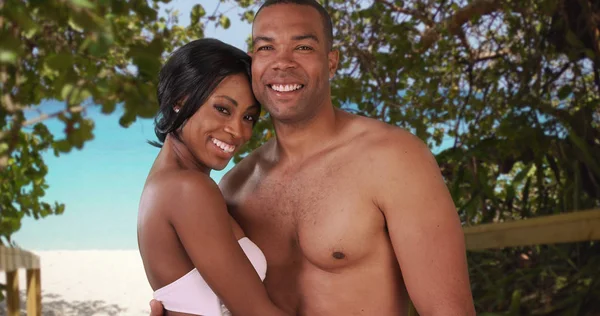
(270, 23)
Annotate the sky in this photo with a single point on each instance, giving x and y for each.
(101, 184)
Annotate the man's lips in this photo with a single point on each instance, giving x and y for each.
(287, 87)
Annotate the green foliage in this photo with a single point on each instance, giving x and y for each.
(83, 53)
(22, 194)
(510, 90)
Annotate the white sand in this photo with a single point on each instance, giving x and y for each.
(90, 283)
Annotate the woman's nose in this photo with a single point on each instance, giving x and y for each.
(234, 128)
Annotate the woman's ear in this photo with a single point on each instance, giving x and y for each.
(179, 104)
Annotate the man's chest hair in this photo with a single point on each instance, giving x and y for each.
(328, 221)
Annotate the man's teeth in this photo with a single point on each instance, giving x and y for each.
(286, 87)
(226, 147)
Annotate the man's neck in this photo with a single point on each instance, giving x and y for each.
(296, 142)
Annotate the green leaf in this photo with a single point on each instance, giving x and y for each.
(196, 13)
(60, 61)
(83, 4)
(590, 54)
(7, 56)
(564, 92)
(225, 22)
(573, 40)
(66, 91)
(61, 146)
(248, 16)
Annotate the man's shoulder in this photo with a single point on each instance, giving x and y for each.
(387, 140)
(387, 150)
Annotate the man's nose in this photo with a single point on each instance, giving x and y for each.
(284, 60)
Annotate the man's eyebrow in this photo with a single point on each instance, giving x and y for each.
(305, 37)
(262, 38)
(228, 98)
(295, 38)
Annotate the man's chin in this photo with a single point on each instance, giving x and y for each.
(287, 117)
(281, 105)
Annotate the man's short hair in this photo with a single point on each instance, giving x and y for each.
(325, 17)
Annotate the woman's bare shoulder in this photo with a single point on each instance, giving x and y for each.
(181, 189)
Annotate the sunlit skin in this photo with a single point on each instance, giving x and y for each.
(293, 53)
(351, 213)
(227, 116)
(338, 202)
(183, 221)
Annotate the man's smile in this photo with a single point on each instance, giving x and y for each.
(285, 87)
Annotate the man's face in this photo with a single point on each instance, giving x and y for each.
(291, 61)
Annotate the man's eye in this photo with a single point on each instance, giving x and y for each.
(265, 48)
(304, 47)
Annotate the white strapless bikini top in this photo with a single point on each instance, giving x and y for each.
(191, 294)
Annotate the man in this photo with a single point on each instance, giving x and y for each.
(352, 214)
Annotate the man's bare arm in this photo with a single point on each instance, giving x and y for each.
(424, 227)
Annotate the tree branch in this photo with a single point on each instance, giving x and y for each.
(454, 23)
(414, 13)
(485, 56)
(555, 77)
(42, 117)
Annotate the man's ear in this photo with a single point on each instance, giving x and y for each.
(334, 59)
(250, 54)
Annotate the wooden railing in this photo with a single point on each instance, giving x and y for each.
(11, 260)
(554, 229)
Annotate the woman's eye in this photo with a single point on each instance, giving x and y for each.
(221, 109)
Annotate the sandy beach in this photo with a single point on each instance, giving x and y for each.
(90, 283)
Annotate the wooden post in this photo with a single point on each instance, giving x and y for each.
(13, 306)
(34, 292)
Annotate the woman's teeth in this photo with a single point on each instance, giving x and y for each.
(286, 87)
(226, 147)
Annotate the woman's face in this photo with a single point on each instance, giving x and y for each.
(223, 124)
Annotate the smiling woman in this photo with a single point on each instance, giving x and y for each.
(195, 255)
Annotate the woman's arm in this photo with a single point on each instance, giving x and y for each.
(199, 215)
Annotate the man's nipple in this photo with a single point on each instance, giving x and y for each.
(338, 255)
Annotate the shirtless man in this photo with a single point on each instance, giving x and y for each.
(351, 213)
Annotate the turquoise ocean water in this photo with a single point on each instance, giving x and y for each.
(101, 184)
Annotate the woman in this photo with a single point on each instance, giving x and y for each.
(195, 255)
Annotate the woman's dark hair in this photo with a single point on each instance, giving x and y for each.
(188, 79)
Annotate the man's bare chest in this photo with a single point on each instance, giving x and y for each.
(322, 215)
